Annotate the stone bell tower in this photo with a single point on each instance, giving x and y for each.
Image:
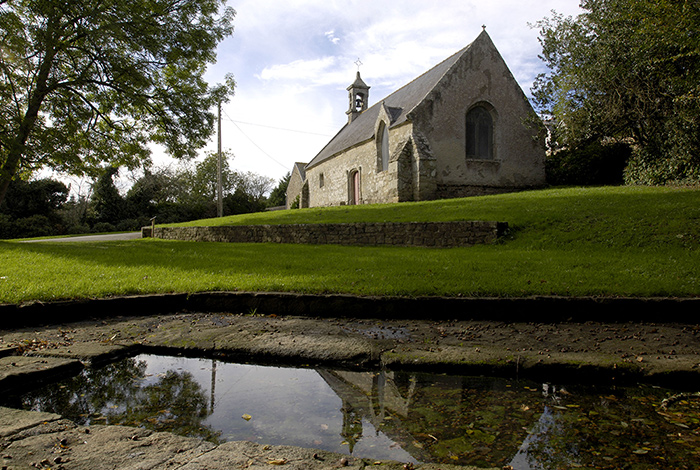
(358, 93)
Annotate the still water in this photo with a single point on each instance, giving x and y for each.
(404, 416)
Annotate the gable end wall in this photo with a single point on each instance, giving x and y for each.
(481, 77)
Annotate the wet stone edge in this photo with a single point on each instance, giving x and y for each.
(538, 309)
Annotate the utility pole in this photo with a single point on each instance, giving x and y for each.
(219, 189)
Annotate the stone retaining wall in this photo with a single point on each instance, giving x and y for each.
(434, 234)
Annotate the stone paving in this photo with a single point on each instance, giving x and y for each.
(31, 440)
(661, 353)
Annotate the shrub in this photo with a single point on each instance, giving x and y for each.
(7, 227)
(128, 225)
(648, 169)
(33, 226)
(594, 164)
(101, 227)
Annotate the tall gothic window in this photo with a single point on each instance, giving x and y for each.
(384, 146)
(479, 134)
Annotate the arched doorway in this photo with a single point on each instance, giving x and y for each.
(354, 187)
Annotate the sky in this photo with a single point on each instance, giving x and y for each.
(293, 60)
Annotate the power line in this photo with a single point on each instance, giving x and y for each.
(279, 128)
(253, 142)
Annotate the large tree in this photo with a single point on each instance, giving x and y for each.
(202, 180)
(278, 196)
(84, 83)
(627, 70)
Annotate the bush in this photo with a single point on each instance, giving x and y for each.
(648, 169)
(77, 229)
(101, 227)
(7, 227)
(128, 225)
(34, 226)
(595, 164)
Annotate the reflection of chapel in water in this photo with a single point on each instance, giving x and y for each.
(481, 421)
(370, 396)
(382, 398)
(433, 418)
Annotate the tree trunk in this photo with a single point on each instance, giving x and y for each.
(4, 184)
(9, 169)
(17, 147)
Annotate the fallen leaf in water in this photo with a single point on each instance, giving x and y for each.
(278, 462)
(247, 417)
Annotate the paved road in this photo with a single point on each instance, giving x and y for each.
(91, 238)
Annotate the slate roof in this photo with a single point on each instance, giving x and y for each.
(400, 103)
(301, 168)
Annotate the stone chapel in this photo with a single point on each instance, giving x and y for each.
(463, 128)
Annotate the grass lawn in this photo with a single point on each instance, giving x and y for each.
(613, 241)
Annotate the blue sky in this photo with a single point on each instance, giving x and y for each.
(293, 60)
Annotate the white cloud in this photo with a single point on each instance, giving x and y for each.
(332, 37)
(293, 60)
(300, 70)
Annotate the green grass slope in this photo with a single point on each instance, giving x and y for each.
(612, 241)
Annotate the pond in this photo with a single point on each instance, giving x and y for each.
(404, 416)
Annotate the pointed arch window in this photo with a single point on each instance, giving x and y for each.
(383, 146)
(479, 144)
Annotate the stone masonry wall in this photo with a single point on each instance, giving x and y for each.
(433, 234)
(376, 186)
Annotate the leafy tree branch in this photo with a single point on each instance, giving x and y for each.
(627, 71)
(86, 84)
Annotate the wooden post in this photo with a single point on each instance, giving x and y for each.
(219, 189)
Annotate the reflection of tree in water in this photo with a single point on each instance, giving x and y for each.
(83, 397)
(115, 394)
(463, 420)
(175, 403)
(619, 428)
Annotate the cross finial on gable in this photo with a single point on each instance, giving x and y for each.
(358, 62)
(483, 26)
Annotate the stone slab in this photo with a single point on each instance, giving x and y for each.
(23, 371)
(94, 352)
(7, 351)
(130, 448)
(122, 447)
(13, 421)
(253, 456)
